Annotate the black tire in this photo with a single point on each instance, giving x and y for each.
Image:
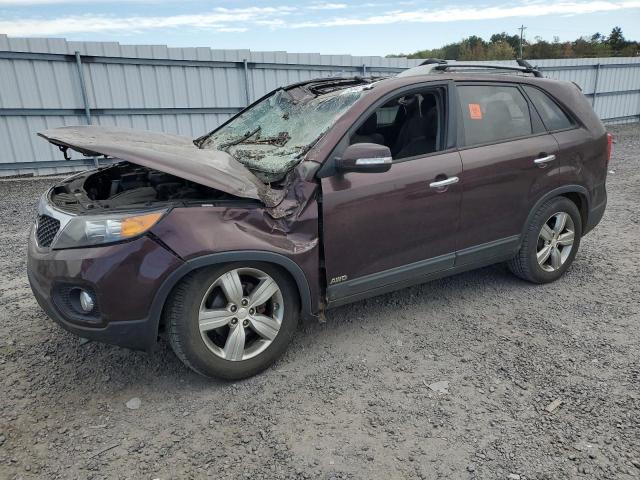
(181, 315)
(525, 264)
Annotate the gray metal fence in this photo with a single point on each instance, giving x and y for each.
(46, 83)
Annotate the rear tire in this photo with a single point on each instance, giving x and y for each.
(232, 321)
(550, 242)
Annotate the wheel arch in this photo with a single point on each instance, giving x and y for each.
(580, 200)
(576, 193)
(287, 265)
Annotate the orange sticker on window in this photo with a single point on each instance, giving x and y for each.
(474, 111)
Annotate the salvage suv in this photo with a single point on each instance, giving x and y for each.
(319, 194)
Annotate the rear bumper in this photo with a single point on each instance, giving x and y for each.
(124, 278)
(594, 216)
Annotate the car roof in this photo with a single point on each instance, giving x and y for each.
(389, 83)
(464, 76)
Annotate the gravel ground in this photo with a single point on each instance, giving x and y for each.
(451, 379)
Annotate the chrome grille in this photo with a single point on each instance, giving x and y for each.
(46, 230)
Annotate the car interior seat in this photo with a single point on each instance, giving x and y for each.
(499, 121)
(367, 132)
(420, 131)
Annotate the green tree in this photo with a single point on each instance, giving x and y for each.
(512, 40)
(500, 51)
(539, 49)
(616, 40)
(472, 48)
(631, 50)
(503, 46)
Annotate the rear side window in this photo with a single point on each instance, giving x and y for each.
(552, 115)
(493, 113)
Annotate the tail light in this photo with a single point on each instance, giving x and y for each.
(609, 147)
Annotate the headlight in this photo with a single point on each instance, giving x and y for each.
(85, 231)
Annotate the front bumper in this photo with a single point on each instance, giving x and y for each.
(125, 278)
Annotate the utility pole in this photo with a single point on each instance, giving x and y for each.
(522, 29)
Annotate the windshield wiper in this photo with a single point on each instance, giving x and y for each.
(236, 141)
(279, 140)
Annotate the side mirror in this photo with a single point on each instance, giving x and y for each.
(365, 158)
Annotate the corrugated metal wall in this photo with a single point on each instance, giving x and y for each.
(612, 84)
(46, 83)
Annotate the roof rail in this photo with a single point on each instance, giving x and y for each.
(430, 61)
(431, 65)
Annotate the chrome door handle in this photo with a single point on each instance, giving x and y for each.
(444, 183)
(543, 160)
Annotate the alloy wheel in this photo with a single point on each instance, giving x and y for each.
(555, 241)
(241, 314)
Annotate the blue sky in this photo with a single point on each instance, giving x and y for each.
(358, 27)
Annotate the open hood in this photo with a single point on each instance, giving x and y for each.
(173, 154)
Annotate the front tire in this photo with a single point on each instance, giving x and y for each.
(232, 321)
(550, 242)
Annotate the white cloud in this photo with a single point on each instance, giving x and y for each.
(325, 6)
(231, 29)
(221, 20)
(27, 3)
(243, 19)
(457, 14)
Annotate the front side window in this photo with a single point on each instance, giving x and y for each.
(410, 125)
(493, 113)
(552, 115)
(272, 136)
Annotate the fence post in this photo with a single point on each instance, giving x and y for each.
(246, 81)
(595, 86)
(83, 88)
(85, 98)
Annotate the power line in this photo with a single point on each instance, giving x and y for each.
(522, 29)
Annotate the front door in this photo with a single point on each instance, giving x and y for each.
(382, 229)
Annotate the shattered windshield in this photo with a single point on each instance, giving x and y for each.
(273, 136)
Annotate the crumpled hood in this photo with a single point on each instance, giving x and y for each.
(173, 154)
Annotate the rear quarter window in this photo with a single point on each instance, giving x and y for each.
(493, 113)
(552, 115)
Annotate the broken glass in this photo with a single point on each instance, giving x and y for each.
(273, 136)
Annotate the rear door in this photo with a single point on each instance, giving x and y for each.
(575, 142)
(382, 229)
(508, 159)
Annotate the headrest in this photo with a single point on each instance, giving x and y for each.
(369, 126)
(498, 111)
(431, 123)
(428, 102)
(410, 103)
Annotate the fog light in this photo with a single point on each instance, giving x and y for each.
(86, 301)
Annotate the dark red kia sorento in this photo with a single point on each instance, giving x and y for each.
(320, 193)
